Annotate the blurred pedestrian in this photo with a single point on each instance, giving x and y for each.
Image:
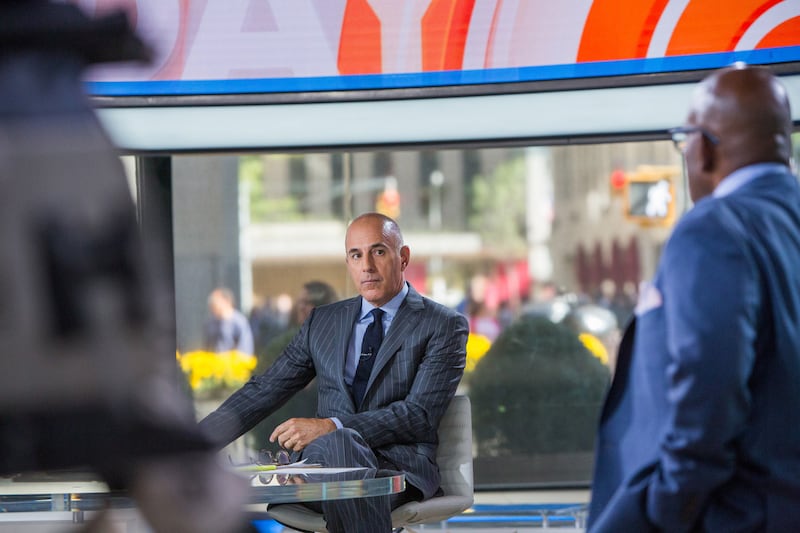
(313, 294)
(227, 328)
(304, 403)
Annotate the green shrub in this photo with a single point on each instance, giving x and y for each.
(537, 390)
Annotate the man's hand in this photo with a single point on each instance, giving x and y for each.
(296, 433)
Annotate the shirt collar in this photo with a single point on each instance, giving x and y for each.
(390, 308)
(742, 176)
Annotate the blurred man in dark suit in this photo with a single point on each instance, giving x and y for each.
(701, 428)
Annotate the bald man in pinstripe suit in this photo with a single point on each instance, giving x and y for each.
(417, 368)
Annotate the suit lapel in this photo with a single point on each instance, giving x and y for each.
(621, 371)
(346, 321)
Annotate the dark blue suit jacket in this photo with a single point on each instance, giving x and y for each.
(416, 373)
(701, 427)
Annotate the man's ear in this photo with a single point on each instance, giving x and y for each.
(708, 153)
(405, 255)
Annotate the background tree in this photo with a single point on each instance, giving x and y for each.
(498, 206)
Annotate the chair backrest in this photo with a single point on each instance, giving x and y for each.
(454, 454)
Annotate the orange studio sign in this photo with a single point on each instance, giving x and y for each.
(247, 46)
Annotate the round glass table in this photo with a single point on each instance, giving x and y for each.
(318, 490)
(27, 502)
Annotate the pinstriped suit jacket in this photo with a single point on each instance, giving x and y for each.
(416, 372)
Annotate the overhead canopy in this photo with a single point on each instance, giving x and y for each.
(298, 74)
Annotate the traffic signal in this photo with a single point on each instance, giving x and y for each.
(650, 195)
(617, 181)
(388, 201)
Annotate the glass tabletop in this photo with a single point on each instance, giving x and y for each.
(27, 504)
(88, 495)
(317, 490)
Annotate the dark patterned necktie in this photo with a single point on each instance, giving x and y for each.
(373, 338)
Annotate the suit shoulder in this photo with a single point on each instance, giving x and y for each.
(339, 304)
(702, 220)
(440, 309)
(710, 232)
(332, 309)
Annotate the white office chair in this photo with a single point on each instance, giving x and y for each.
(454, 457)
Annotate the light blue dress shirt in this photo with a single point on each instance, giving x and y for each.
(744, 175)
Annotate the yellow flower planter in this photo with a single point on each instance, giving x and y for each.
(214, 375)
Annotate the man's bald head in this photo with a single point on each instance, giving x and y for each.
(741, 117)
(748, 109)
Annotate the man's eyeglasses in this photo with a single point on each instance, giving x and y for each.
(681, 134)
(281, 458)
